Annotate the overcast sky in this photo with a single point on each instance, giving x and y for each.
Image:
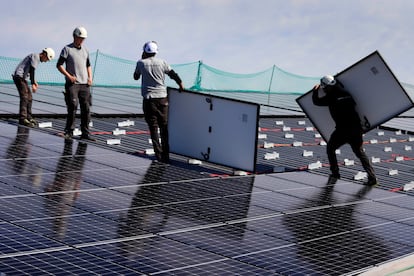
(305, 37)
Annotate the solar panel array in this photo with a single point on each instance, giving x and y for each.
(68, 207)
(108, 208)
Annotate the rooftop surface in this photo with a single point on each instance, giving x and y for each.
(96, 208)
(110, 209)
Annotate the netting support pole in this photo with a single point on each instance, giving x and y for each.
(94, 66)
(198, 79)
(270, 84)
(93, 72)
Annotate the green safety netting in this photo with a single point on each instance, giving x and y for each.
(110, 71)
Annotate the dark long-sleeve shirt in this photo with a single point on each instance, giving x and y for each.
(341, 106)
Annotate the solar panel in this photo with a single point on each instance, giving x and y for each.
(95, 208)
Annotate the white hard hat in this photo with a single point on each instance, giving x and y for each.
(150, 47)
(50, 53)
(328, 80)
(80, 32)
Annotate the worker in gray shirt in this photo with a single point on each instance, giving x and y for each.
(154, 92)
(26, 70)
(78, 74)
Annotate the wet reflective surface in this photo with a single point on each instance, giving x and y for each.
(79, 208)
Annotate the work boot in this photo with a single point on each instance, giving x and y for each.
(25, 122)
(335, 175)
(33, 121)
(372, 181)
(68, 136)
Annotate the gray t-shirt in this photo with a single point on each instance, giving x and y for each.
(23, 69)
(153, 72)
(76, 62)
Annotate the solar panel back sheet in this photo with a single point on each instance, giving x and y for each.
(376, 90)
(214, 129)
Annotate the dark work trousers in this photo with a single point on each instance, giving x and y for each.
(78, 94)
(156, 116)
(26, 98)
(354, 139)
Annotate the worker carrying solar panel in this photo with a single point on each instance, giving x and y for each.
(348, 127)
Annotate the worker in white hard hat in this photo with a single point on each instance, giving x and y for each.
(348, 128)
(154, 93)
(78, 75)
(26, 70)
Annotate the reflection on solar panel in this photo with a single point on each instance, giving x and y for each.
(107, 208)
(97, 208)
